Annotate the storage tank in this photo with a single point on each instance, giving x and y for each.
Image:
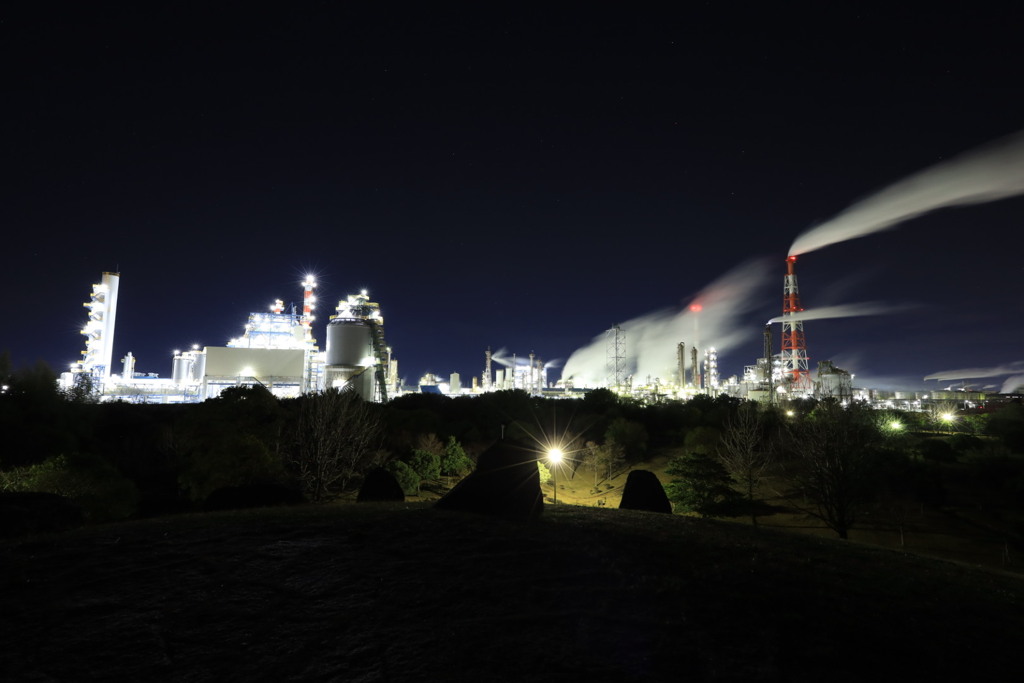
(181, 368)
(350, 351)
(349, 342)
(199, 366)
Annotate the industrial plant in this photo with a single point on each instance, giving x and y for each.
(278, 350)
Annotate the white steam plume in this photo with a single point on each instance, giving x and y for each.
(1014, 368)
(502, 357)
(841, 311)
(1012, 385)
(651, 339)
(991, 172)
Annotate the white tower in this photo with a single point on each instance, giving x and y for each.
(99, 330)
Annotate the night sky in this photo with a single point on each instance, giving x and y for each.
(506, 176)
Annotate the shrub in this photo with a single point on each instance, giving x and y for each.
(405, 475)
(235, 460)
(701, 484)
(426, 464)
(455, 462)
(937, 450)
(102, 492)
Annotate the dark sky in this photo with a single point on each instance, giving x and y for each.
(505, 177)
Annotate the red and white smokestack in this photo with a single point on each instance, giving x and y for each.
(794, 346)
(308, 300)
(308, 305)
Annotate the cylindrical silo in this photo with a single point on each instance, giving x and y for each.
(181, 368)
(349, 342)
(199, 366)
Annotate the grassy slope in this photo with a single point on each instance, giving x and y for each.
(974, 526)
(406, 592)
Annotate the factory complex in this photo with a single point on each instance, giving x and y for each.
(278, 350)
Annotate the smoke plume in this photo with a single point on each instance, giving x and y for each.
(1014, 368)
(994, 171)
(841, 311)
(1012, 385)
(651, 339)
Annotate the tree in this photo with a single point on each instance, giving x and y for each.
(1007, 425)
(701, 484)
(232, 459)
(36, 423)
(702, 439)
(629, 437)
(426, 464)
(425, 459)
(746, 451)
(83, 389)
(836, 460)
(335, 439)
(454, 461)
(405, 475)
(102, 492)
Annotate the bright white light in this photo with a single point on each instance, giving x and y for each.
(947, 417)
(555, 455)
(895, 425)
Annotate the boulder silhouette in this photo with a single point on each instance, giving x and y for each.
(643, 491)
(380, 486)
(29, 512)
(505, 483)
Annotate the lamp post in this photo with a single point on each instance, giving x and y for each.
(555, 457)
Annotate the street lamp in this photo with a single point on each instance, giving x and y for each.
(555, 457)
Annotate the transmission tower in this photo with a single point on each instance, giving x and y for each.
(616, 358)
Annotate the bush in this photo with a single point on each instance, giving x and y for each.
(426, 464)
(937, 450)
(28, 512)
(92, 483)
(455, 462)
(405, 475)
(964, 443)
(702, 485)
(235, 460)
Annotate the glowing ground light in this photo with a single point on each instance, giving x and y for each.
(554, 457)
(895, 425)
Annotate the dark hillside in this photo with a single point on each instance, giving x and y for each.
(407, 592)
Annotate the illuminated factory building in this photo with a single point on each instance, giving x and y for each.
(277, 350)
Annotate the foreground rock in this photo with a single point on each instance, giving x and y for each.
(643, 491)
(380, 486)
(505, 483)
